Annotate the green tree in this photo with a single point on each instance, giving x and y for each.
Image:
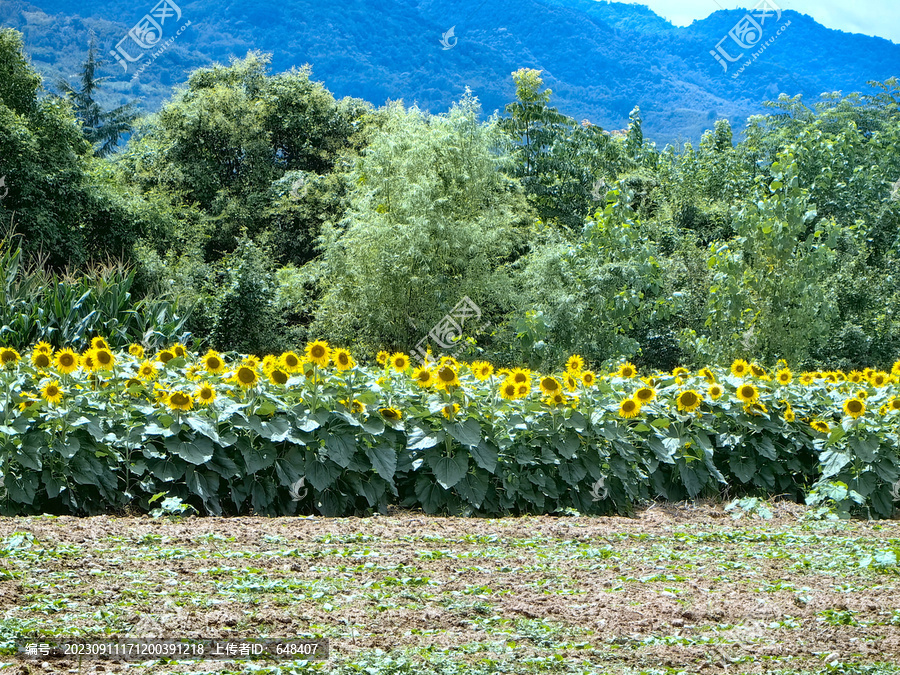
(103, 129)
(766, 297)
(433, 218)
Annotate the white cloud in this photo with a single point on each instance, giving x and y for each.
(869, 17)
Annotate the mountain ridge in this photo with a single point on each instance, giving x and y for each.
(600, 58)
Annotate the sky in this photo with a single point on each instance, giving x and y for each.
(870, 17)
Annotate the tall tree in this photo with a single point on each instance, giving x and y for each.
(102, 128)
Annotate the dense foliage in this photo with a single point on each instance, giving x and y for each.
(100, 430)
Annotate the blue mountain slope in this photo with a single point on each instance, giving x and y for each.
(600, 58)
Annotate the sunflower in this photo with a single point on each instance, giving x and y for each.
(707, 374)
(520, 375)
(391, 414)
(894, 404)
(449, 361)
(382, 357)
(523, 389)
(355, 406)
(193, 372)
(508, 390)
(399, 361)
(66, 361)
(46, 348)
(180, 400)
(9, 356)
(103, 358)
(820, 426)
(756, 408)
(147, 371)
(569, 379)
(680, 372)
(87, 361)
(863, 394)
(251, 361)
(758, 371)
(290, 362)
(879, 379)
(449, 410)
(278, 376)
(747, 393)
(269, 363)
(205, 394)
(740, 368)
(629, 408)
(550, 385)
(575, 364)
(557, 399)
(213, 362)
(245, 376)
(446, 377)
(318, 353)
(41, 359)
(52, 393)
(423, 376)
(784, 376)
(855, 376)
(136, 350)
(645, 395)
(134, 386)
(588, 378)
(854, 407)
(831, 378)
(99, 343)
(840, 375)
(342, 359)
(179, 350)
(482, 370)
(715, 391)
(896, 369)
(789, 415)
(688, 401)
(165, 356)
(627, 370)
(28, 400)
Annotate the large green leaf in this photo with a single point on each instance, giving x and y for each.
(448, 470)
(467, 432)
(742, 467)
(341, 448)
(256, 458)
(197, 451)
(832, 461)
(572, 471)
(430, 495)
(485, 456)
(419, 438)
(384, 459)
(473, 487)
(322, 474)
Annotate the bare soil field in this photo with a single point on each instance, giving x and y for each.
(678, 588)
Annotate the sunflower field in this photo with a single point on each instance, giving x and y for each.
(105, 430)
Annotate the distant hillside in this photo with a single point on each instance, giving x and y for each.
(600, 58)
